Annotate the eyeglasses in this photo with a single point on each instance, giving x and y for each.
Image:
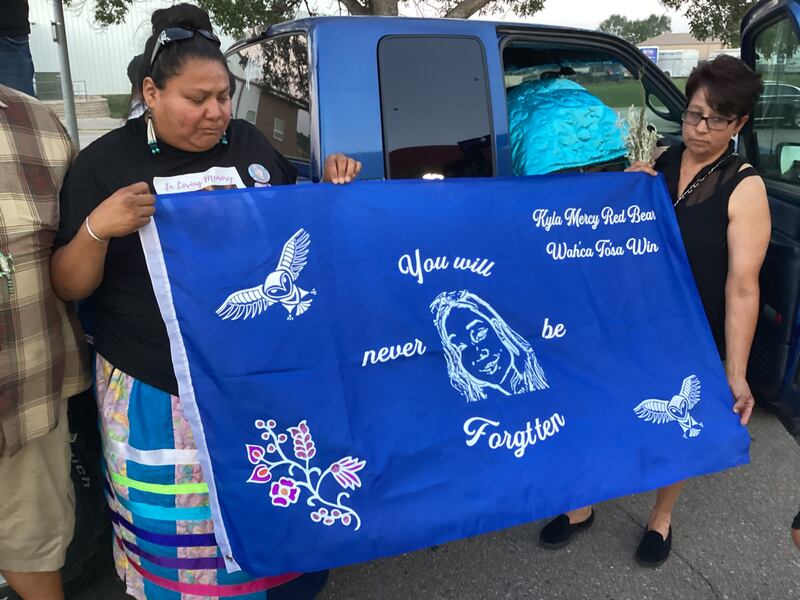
(177, 34)
(713, 123)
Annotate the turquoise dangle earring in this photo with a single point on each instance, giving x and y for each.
(152, 141)
(224, 139)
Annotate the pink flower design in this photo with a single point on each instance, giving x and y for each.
(284, 492)
(260, 474)
(344, 472)
(303, 444)
(255, 453)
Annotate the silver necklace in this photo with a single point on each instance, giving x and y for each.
(687, 192)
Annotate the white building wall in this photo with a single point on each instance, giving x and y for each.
(99, 56)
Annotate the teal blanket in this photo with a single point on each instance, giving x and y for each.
(557, 124)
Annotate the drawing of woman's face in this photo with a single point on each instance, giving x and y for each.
(483, 354)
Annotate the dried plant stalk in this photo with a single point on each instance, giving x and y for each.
(641, 137)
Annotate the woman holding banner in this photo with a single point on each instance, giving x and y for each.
(721, 206)
(164, 536)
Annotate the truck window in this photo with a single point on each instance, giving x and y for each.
(535, 72)
(435, 107)
(777, 114)
(272, 92)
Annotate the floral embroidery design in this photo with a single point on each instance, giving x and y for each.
(284, 492)
(286, 489)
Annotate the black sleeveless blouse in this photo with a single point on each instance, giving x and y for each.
(703, 221)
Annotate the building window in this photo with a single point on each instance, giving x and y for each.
(277, 129)
(435, 107)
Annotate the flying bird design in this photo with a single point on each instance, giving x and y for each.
(676, 409)
(278, 287)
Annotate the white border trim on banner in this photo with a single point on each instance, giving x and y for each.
(154, 258)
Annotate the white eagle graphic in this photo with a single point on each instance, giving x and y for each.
(676, 409)
(278, 287)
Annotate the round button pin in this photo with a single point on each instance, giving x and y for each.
(259, 173)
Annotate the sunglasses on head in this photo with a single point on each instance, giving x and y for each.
(177, 34)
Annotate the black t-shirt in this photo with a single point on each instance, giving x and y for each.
(129, 330)
(14, 18)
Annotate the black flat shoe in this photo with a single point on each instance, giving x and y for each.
(653, 550)
(558, 532)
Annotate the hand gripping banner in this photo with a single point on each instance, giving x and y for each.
(379, 367)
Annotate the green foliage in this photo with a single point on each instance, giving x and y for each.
(106, 11)
(778, 41)
(638, 30)
(236, 17)
(520, 8)
(713, 19)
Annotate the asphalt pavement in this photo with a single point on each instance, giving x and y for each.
(731, 542)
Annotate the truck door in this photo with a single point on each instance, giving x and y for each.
(770, 46)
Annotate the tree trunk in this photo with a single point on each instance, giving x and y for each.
(384, 7)
(354, 7)
(466, 8)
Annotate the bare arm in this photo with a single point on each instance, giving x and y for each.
(77, 268)
(749, 229)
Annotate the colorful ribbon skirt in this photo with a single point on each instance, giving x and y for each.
(164, 545)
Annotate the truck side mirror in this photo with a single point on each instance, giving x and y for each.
(789, 160)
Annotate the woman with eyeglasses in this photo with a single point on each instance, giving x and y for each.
(164, 537)
(721, 205)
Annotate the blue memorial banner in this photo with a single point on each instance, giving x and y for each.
(383, 366)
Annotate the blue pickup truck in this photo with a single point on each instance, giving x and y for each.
(416, 98)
